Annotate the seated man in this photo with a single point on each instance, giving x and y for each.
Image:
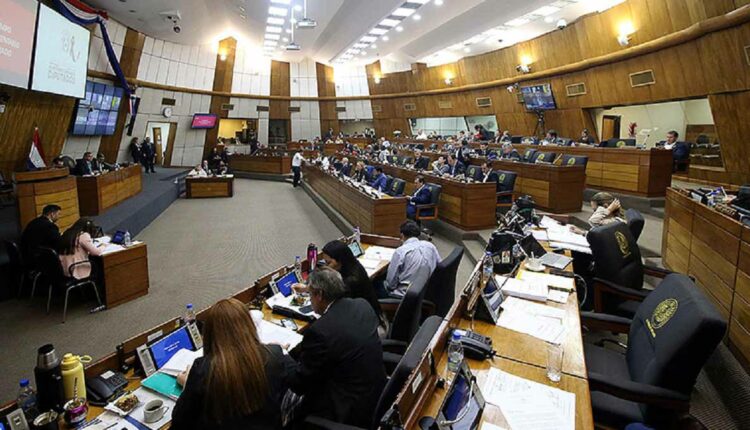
(339, 371)
(86, 165)
(198, 172)
(380, 180)
(41, 232)
(103, 163)
(439, 166)
(510, 153)
(360, 174)
(223, 169)
(505, 137)
(421, 196)
(550, 138)
(58, 163)
(489, 176)
(586, 138)
(414, 259)
(680, 150)
(345, 168)
(455, 167)
(420, 163)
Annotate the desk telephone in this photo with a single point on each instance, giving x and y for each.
(476, 346)
(105, 387)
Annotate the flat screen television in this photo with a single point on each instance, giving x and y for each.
(96, 113)
(538, 97)
(204, 120)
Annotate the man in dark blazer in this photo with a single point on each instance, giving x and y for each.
(41, 232)
(86, 165)
(148, 153)
(339, 370)
(346, 167)
(380, 180)
(489, 176)
(509, 153)
(455, 167)
(420, 162)
(135, 150)
(421, 196)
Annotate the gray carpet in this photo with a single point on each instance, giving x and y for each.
(199, 252)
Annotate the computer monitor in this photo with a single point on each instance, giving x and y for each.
(284, 284)
(463, 405)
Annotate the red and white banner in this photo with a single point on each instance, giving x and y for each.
(82, 10)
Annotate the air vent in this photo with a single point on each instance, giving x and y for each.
(260, 108)
(227, 106)
(445, 104)
(293, 109)
(410, 107)
(377, 108)
(484, 101)
(641, 79)
(575, 89)
(168, 102)
(340, 108)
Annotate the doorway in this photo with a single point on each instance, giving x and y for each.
(610, 127)
(278, 131)
(163, 136)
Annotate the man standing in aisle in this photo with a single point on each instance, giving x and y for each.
(297, 161)
(148, 154)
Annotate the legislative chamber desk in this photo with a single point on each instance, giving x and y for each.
(40, 188)
(98, 193)
(279, 164)
(715, 249)
(372, 215)
(124, 357)
(518, 354)
(125, 274)
(210, 186)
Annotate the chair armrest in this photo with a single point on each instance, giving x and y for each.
(390, 361)
(605, 322)
(73, 266)
(426, 206)
(394, 346)
(602, 287)
(638, 392)
(656, 272)
(389, 307)
(312, 421)
(504, 193)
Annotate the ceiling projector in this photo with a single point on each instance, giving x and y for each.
(293, 46)
(306, 23)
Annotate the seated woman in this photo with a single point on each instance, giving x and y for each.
(239, 383)
(340, 258)
(607, 209)
(76, 245)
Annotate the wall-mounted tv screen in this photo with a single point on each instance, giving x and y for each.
(61, 55)
(538, 97)
(96, 113)
(17, 24)
(204, 120)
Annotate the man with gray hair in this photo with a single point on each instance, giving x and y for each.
(510, 153)
(339, 370)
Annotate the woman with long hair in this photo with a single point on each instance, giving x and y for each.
(76, 245)
(239, 383)
(358, 284)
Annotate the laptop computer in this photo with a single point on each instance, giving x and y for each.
(531, 247)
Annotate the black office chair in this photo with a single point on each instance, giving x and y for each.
(423, 161)
(474, 172)
(529, 155)
(396, 382)
(392, 159)
(574, 160)
(406, 161)
(433, 147)
(516, 139)
(544, 157)
(397, 187)
(429, 211)
(618, 270)
(69, 162)
(506, 195)
(17, 264)
(52, 273)
(619, 143)
(408, 315)
(635, 222)
(419, 146)
(670, 338)
(388, 183)
(441, 290)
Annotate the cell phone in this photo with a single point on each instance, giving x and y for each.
(289, 323)
(306, 309)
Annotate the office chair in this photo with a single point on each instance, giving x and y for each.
(419, 146)
(441, 289)
(574, 160)
(388, 183)
(544, 157)
(69, 162)
(618, 270)
(369, 170)
(506, 195)
(52, 272)
(474, 172)
(529, 156)
(16, 263)
(396, 382)
(408, 313)
(429, 211)
(397, 187)
(635, 222)
(433, 147)
(670, 338)
(619, 143)
(564, 141)
(516, 139)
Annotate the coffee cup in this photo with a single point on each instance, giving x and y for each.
(154, 410)
(534, 264)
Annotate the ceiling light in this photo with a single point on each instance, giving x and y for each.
(307, 23)
(376, 79)
(385, 38)
(270, 43)
(353, 51)
(272, 29)
(546, 10)
(388, 22)
(399, 29)
(281, 1)
(368, 38)
(363, 53)
(517, 22)
(243, 16)
(467, 49)
(378, 31)
(297, 8)
(403, 11)
(275, 21)
(438, 2)
(418, 1)
(272, 36)
(285, 39)
(288, 30)
(416, 17)
(277, 11)
(360, 45)
(549, 19)
(373, 46)
(293, 46)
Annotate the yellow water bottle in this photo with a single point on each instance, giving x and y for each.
(74, 384)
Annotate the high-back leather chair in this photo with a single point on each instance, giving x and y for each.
(474, 172)
(619, 143)
(529, 156)
(388, 183)
(516, 139)
(430, 210)
(544, 157)
(441, 290)
(48, 263)
(507, 181)
(671, 336)
(635, 222)
(574, 160)
(16, 263)
(397, 187)
(405, 322)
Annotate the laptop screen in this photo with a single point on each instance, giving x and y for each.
(163, 349)
(531, 246)
(284, 284)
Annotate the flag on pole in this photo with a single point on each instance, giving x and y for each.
(36, 153)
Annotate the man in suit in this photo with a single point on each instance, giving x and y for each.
(509, 153)
(86, 165)
(439, 166)
(346, 168)
(41, 232)
(489, 176)
(455, 167)
(339, 370)
(420, 163)
(135, 150)
(148, 153)
(328, 135)
(421, 196)
(380, 179)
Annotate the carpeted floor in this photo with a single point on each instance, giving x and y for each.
(199, 251)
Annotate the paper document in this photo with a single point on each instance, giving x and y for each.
(549, 223)
(554, 281)
(534, 319)
(379, 253)
(180, 361)
(110, 248)
(564, 235)
(269, 332)
(563, 245)
(557, 296)
(369, 263)
(527, 404)
(540, 235)
(530, 290)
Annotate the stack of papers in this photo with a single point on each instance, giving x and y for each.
(180, 361)
(560, 236)
(523, 289)
(534, 319)
(269, 333)
(530, 405)
(379, 253)
(558, 287)
(370, 265)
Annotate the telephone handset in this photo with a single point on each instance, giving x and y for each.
(476, 346)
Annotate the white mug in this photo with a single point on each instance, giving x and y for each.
(154, 410)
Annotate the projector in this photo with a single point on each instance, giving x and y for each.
(306, 23)
(293, 46)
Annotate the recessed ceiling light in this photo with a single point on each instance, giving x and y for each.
(546, 10)
(385, 38)
(270, 43)
(277, 11)
(243, 16)
(418, 1)
(359, 45)
(378, 31)
(363, 53)
(467, 49)
(273, 29)
(517, 22)
(403, 11)
(297, 8)
(416, 17)
(275, 21)
(281, 1)
(288, 30)
(388, 22)
(373, 46)
(368, 38)
(273, 37)
(285, 39)
(438, 2)
(241, 8)
(399, 28)
(353, 51)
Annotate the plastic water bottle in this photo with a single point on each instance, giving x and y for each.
(189, 313)
(27, 400)
(487, 268)
(455, 353)
(357, 235)
(126, 239)
(298, 266)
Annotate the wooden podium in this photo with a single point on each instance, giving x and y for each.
(40, 188)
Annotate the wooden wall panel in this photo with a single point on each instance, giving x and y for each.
(731, 113)
(223, 75)
(326, 88)
(280, 86)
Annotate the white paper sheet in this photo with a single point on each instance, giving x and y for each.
(523, 289)
(563, 245)
(269, 332)
(540, 235)
(369, 263)
(534, 319)
(180, 361)
(564, 235)
(554, 281)
(379, 253)
(529, 405)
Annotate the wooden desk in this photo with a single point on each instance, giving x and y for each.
(96, 194)
(273, 164)
(40, 188)
(212, 186)
(125, 274)
(715, 250)
(377, 216)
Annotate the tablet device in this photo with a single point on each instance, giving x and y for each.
(284, 284)
(156, 353)
(356, 249)
(463, 405)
